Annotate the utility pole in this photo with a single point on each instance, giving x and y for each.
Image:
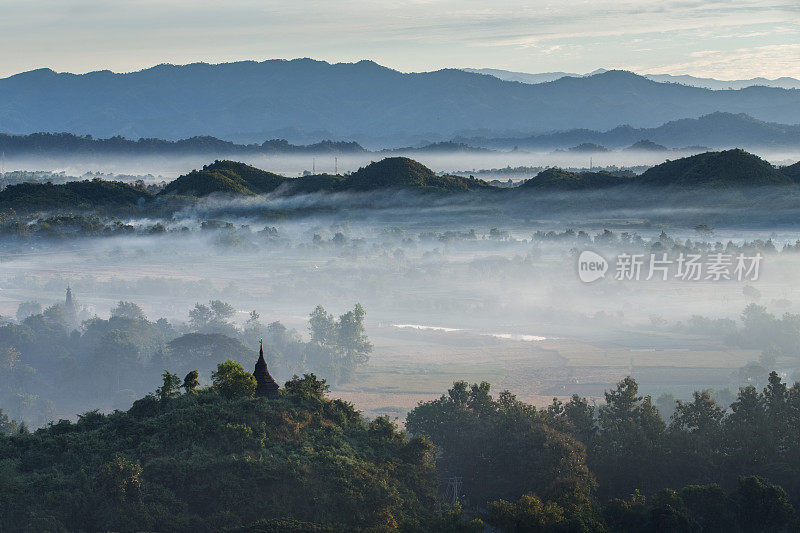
(453, 490)
(336, 165)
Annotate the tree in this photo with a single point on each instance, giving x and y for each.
(502, 448)
(128, 310)
(190, 382)
(702, 415)
(580, 415)
(200, 316)
(169, 387)
(231, 380)
(307, 387)
(352, 338)
(221, 311)
(7, 426)
(27, 309)
(529, 514)
(762, 506)
(627, 450)
(322, 327)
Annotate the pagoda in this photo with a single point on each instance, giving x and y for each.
(266, 386)
(71, 311)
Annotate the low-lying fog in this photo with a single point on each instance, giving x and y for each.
(293, 165)
(455, 287)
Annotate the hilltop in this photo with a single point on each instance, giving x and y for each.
(201, 461)
(727, 169)
(251, 101)
(225, 177)
(405, 173)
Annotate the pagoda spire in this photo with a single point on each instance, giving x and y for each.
(266, 386)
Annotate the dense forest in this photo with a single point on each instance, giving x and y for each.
(190, 458)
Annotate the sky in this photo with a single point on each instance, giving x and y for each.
(731, 39)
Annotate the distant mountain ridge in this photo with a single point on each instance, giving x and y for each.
(353, 100)
(684, 79)
(715, 130)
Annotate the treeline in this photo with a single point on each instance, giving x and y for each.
(48, 144)
(52, 361)
(202, 458)
(620, 466)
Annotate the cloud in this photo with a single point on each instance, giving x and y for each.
(770, 61)
(125, 35)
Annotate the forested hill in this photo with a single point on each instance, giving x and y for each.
(249, 99)
(225, 177)
(212, 459)
(729, 169)
(230, 177)
(89, 195)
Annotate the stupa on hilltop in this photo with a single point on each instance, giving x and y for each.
(266, 386)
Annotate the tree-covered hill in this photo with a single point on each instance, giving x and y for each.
(730, 168)
(556, 179)
(405, 173)
(225, 177)
(217, 458)
(230, 177)
(792, 171)
(85, 195)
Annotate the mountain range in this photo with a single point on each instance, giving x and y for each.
(715, 130)
(684, 79)
(355, 101)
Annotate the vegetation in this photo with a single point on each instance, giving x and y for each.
(225, 177)
(731, 168)
(401, 172)
(218, 459)
(557, 179)
(229, 177)
(214, 457)
(67, 143)
(49, 360)
(543, 469)
(91, 195)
